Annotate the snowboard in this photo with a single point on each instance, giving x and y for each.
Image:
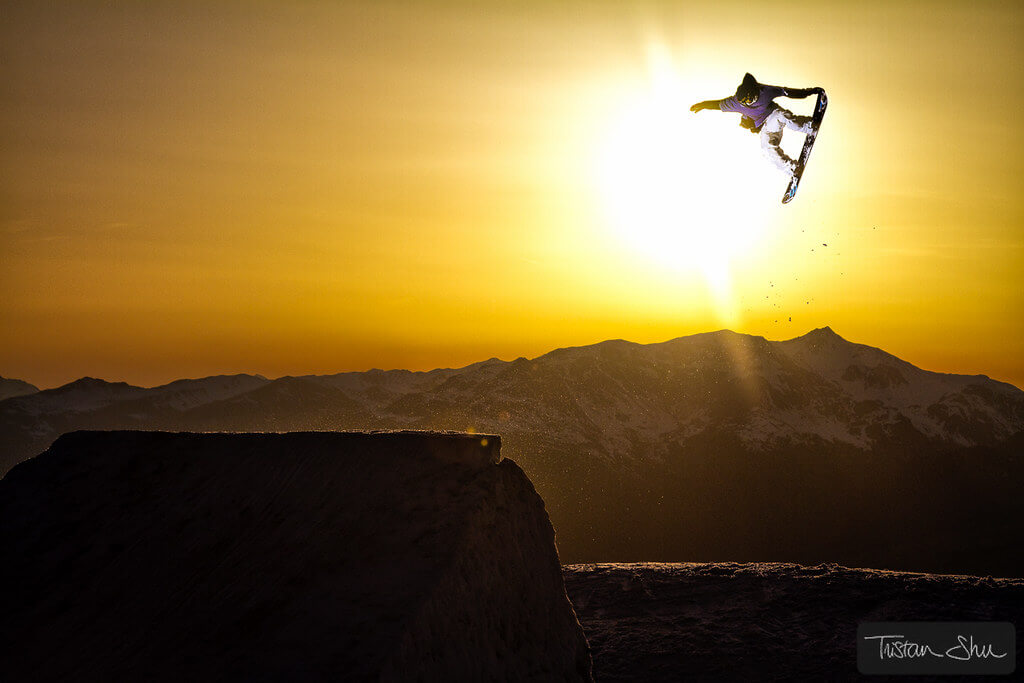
(805, 153)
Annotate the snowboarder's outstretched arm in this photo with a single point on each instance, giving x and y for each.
(706, 104)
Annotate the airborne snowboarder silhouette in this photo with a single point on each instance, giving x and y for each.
(760, 114)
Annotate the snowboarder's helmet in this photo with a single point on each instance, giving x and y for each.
(748, 91)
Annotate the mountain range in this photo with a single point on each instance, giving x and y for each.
(715, 446)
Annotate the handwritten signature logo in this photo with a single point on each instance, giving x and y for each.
(936, 647)
(890, 647)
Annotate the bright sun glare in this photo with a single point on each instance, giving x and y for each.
(686, 190)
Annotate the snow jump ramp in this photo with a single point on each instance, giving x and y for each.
(391, 556)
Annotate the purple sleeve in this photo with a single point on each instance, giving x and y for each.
(729, 104)
(770, 92)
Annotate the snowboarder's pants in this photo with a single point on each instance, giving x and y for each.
(771, 136)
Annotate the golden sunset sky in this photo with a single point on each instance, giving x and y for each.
(288, 188)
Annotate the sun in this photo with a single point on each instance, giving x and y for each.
(686, 190)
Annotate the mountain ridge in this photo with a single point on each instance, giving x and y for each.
(825, 332)
(752, 441)
(635, 395)
(10, 388)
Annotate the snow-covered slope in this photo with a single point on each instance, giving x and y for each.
(616, 401)
(620, 400)
(961, 409)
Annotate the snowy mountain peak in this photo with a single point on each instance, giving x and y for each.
(820, 336)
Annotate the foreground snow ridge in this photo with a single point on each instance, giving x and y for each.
(761, 621)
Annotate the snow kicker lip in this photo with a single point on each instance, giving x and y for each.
(166, 556)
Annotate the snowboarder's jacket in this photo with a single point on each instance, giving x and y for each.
(759, 110)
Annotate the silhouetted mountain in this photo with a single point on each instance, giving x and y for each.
(716, 446)
(15, 387)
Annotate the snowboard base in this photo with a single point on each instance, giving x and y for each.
(805, 153)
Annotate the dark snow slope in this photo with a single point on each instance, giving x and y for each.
(764, 622)
(154, 556)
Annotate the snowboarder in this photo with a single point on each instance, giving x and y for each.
(760, 114)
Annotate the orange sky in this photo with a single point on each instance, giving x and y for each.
(193, 189)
